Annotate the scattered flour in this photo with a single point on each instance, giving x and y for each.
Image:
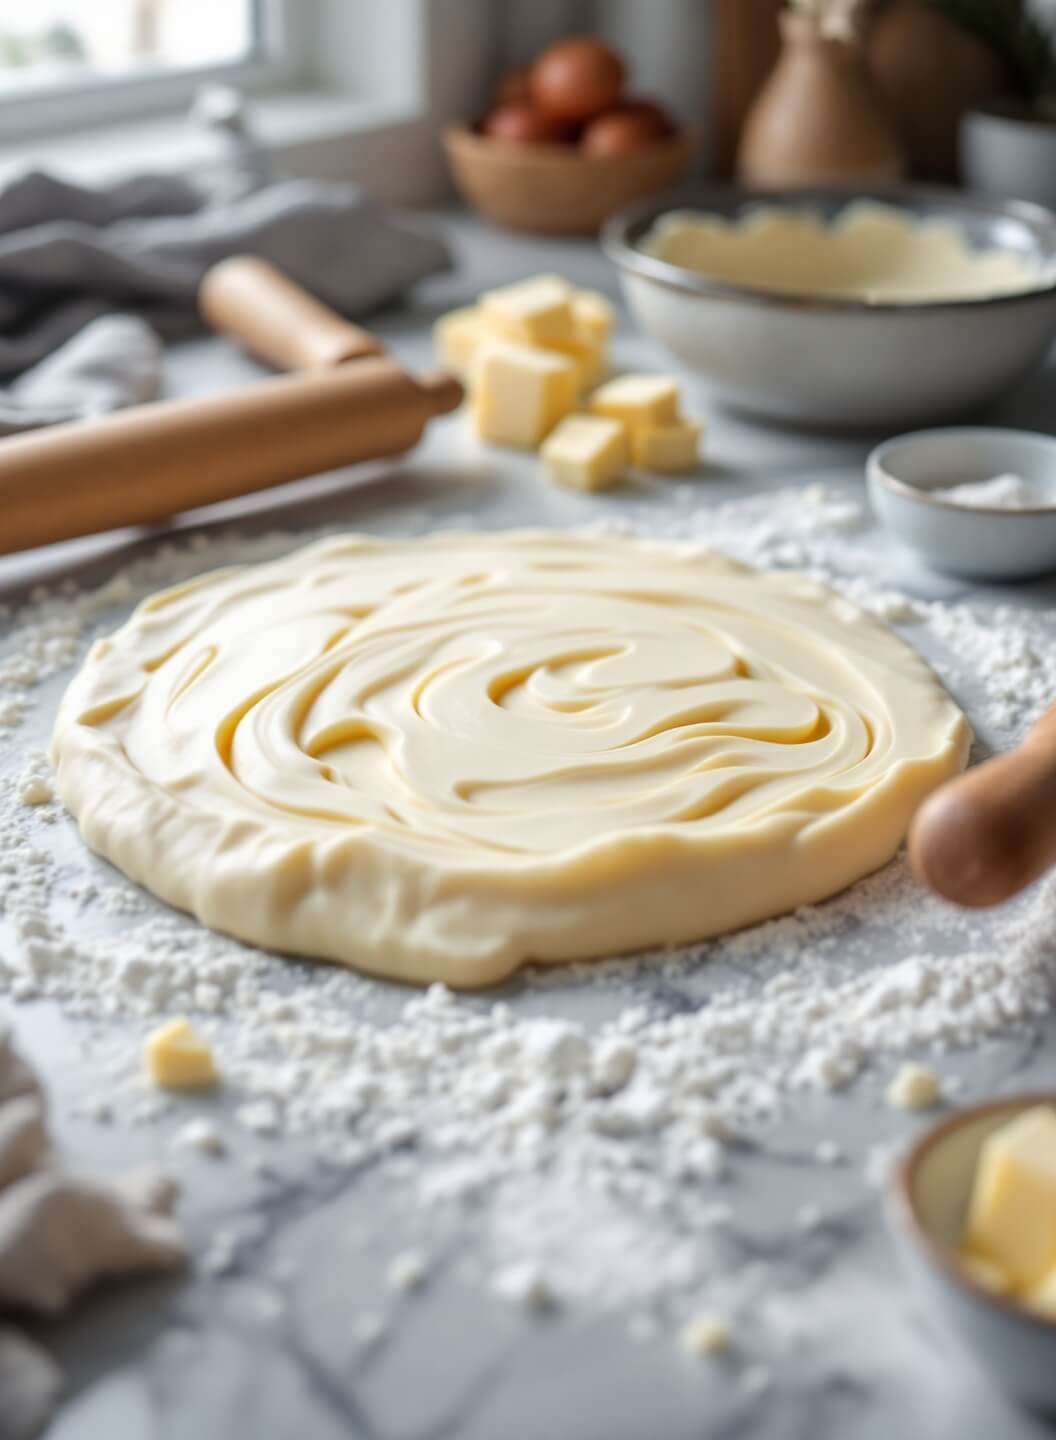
(593, 1156)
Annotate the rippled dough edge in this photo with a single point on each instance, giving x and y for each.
(357, 900)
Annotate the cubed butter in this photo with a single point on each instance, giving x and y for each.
(533, 312)
(638, 400)
(1012, 1215)
(667, 449)
(984, 1272)
(588, 353)
(520, 393)
(177, 1058)
(456, 338)
(587, 452)
(1042, 1298)
(594, 314)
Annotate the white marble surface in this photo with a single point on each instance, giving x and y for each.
(267, 1351)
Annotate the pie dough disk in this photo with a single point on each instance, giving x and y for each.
(436, 759)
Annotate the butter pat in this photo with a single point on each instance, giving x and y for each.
(587, 452)
(177, 1058)
(1012, 1216)
(588, 354)
(706, 1335)
(456, 338)
(913, 1087)
(666, 449)
(594, 314)
(534, 312)
(985, 1273)
(1042, 1298)
(521, 393)
(638, 400)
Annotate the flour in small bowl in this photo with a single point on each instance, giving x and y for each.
(1001, 492)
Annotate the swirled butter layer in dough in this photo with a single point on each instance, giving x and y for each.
(436, 759)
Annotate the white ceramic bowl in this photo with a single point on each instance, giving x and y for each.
(843, 363)
(976, 542)
(927, 1203)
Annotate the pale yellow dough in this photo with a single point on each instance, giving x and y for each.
(436, 759)
(871, 252)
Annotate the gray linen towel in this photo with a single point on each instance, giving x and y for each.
(135, 252)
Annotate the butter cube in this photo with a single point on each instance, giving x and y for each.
(1012, 1215)
(638, 400)
(587, 452)
(456, 338)
(594, 313)
(666, 449)
(1042, 1298)
(533, 312)
(177, 1058)
(985, 1273)
(521, 393)
(588, 354)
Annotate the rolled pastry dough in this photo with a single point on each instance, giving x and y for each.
(436, 759)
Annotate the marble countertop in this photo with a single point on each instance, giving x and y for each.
(266, 1350)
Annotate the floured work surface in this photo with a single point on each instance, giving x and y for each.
(436, 759)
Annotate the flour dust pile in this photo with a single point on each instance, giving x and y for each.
(587, 1121)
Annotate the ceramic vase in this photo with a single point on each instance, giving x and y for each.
(819, 120)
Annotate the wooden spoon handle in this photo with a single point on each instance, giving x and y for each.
(984, 837)
(276, 319)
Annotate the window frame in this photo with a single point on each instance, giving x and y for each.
(282, 61)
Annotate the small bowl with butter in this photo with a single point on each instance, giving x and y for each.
(901, 305)
(972, 1208)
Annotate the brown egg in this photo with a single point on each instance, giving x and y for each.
(515, 87)
(649, 113)
(617, 133)
(577, 79)
(522, 124)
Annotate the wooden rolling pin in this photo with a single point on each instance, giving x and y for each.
(984, 837)
(255, 303)
(143, 465)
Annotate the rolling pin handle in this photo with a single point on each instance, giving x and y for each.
(984, 837)
(276, 319)
(444, 393)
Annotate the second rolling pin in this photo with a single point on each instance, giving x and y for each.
(984, 837)
(144, 465)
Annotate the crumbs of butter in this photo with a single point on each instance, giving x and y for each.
(177, 1058)
(1012, 1214)
(520, 393)
(587, 452)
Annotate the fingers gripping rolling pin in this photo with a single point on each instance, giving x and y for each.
(986, 836)
(143, 465)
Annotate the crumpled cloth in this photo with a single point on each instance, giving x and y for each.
(60, 1233)
(136, 251)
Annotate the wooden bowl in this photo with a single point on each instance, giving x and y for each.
(556, 189)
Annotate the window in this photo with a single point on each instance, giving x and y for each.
(68, 65)
(59, 43)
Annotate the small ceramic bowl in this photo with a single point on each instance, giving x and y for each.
(981, 543)
(556, 189)
(928, 1199)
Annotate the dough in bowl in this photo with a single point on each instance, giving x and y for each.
(436, 759)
